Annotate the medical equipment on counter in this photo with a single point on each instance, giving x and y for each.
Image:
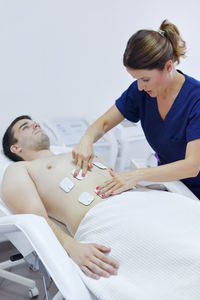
(132, 145)
(69, 132)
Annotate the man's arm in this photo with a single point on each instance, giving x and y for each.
(20, 194)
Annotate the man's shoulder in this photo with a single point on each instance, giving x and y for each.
(17, 165)
(13, 177)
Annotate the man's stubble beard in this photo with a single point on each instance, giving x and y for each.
(43, 143)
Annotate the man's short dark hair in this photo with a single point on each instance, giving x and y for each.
(9, 139)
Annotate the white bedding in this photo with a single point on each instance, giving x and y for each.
(155, 237)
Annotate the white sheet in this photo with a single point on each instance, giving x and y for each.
(155, 237)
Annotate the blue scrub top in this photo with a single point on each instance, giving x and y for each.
(167, 137)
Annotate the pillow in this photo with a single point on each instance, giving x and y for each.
(4, 163)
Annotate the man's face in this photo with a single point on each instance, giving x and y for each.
(30, 136)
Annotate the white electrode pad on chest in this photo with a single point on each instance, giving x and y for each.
(99, 165)
(79, 176)
(66, 184)
(86, 198)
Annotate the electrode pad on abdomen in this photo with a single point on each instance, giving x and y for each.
(99, 165)
(86, 198)
(66, 185)
(79, 176)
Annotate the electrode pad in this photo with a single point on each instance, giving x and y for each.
(79, 176)
(99, 165)
(86, 198)
(66, 184)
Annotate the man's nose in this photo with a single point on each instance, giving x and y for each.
(36, 125)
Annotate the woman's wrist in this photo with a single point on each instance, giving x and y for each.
(138, 174)
(87, 138)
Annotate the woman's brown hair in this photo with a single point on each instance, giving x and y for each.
(149, 49)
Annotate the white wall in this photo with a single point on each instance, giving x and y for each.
(63, 59)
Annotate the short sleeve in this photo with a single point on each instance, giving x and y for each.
(128, 103)
(193, 128)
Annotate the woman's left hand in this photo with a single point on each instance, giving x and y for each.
(120, 182)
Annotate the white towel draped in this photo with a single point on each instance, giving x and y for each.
(155, 237)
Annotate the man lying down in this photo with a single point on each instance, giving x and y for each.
(150, 240)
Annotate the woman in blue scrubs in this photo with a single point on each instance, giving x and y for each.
(166, 101)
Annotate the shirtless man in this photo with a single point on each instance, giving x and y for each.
(31, 186)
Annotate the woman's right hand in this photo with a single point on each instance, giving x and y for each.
(83, 155)
(83, 152)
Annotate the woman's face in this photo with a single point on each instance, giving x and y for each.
(151, 81)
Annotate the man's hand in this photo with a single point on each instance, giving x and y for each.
(92, 259)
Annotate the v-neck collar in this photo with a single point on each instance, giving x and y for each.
(176, 100)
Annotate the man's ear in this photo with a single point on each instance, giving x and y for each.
(15, 149)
